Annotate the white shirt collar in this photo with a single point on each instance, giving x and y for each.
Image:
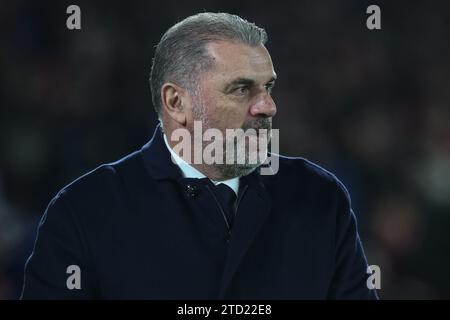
(190, 172)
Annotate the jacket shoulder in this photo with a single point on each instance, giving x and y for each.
(105, 181)
(301, 171)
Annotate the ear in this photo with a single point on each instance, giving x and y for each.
(173, 99)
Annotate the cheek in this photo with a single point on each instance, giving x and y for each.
(230, 116)
(223, 113)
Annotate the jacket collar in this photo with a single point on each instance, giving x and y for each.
(157, 159)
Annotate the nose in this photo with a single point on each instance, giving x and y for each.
(263, 107)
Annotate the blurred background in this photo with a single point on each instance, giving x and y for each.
(371, 106)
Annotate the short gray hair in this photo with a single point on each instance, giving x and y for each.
(181, 54)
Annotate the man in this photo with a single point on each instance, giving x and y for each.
(156, 225)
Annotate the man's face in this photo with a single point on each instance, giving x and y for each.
(235, 92)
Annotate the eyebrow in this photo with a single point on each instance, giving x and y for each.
(245, 81)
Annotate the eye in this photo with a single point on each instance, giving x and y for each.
(269, 87)
(243, 90)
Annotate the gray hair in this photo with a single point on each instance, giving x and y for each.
(181, 55)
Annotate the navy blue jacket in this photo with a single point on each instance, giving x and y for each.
(137, 229)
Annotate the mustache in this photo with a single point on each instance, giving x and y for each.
(257, 124)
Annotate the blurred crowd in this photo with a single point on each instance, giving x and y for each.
(371, 106)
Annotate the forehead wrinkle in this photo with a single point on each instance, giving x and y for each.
(250, 63)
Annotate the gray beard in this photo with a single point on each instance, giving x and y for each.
(229, 171)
